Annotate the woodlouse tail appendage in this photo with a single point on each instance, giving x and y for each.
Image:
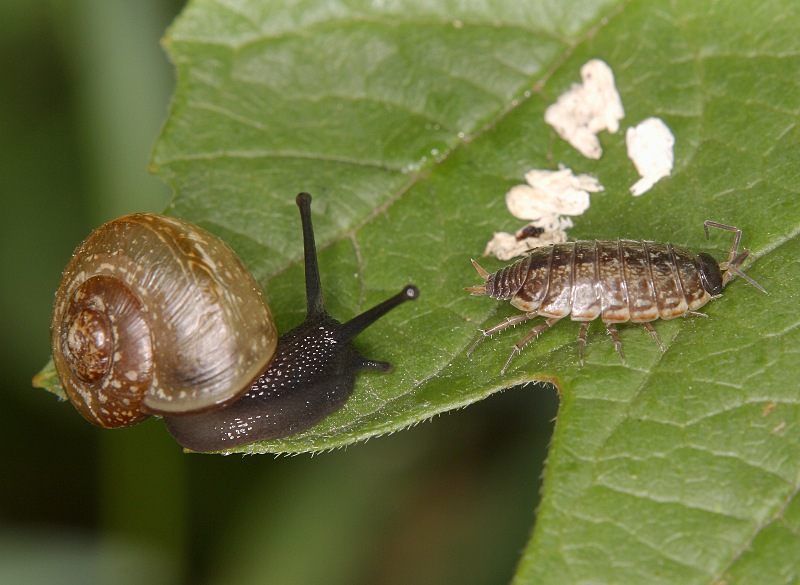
(615, 280)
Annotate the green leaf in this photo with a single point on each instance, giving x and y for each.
(378, 113)
(408, 122)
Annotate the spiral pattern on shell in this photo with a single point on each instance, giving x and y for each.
(155, 315)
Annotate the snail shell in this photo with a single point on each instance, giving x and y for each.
(155, 315)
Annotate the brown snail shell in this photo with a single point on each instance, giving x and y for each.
(155, 315)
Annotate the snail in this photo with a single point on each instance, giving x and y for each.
(156, 316)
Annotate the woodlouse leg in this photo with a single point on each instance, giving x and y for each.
(612, 330)
(652, 331)
(582, 339)
(499, 327)
(531, 334)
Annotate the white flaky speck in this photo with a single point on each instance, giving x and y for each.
(545, 200)
(505, 246)
(650, 147)
(587, 109)
(551, 193)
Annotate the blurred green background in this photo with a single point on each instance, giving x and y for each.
(84, 89)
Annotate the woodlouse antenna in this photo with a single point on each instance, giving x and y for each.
(730, 268)
(733, 267)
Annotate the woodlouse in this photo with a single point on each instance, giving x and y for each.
(616, 280)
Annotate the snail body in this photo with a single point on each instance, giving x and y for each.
(157, 316)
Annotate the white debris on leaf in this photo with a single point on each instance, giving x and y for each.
(544, 201)
(650, 147)
(551, 193)
(505, 246)
(587, 109)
